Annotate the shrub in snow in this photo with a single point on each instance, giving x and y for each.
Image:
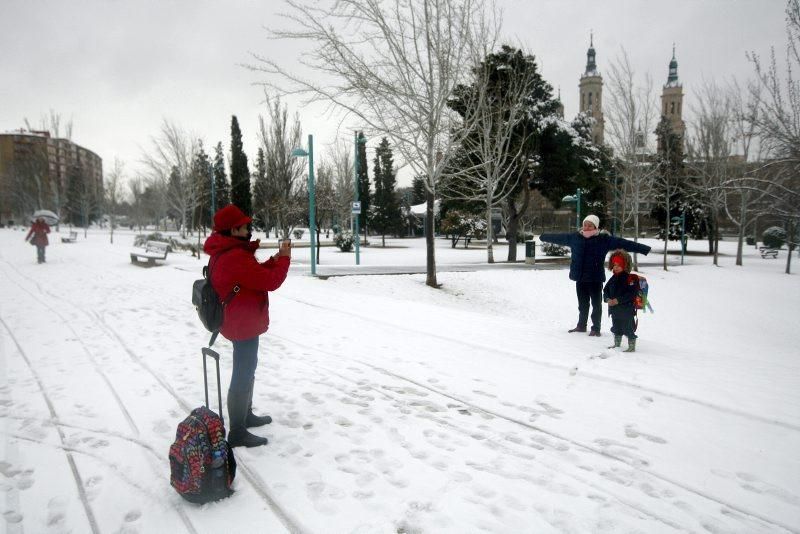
(750, 240)
(298, 234)
(458, 224)
(344, 240)
(551, 249)
(774, 237)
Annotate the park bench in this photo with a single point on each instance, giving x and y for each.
(767, 252)
(73, 236)
(153, 250)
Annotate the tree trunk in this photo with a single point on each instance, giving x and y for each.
(430, 261)
(789, 245)
(716, 238)
(742, 219)
(317, 244)
(666, 231)
(489, 249)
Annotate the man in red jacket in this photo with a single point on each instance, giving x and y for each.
(233, 264)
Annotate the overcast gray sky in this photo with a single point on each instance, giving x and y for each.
(117, 68)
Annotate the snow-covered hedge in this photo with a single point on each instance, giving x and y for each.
(551, 249)
(774, 237)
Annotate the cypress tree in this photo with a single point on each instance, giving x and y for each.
(386, 215)
(418, 192)
(363, 182)
(221, 190)
(261, 193)
(240, 174)
(201, 172)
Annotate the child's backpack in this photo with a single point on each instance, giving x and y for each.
(640, 301)
(207, 303)
(201, 462)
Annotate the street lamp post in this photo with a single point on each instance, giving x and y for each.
(577, 199)
(356, 199)
(299, 152)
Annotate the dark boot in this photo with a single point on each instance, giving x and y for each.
(238, 436)
(594, 333)
(578, 329)
(253, 419)
(631, 345)
(617, 342)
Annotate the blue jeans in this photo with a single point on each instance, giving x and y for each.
(245, 360)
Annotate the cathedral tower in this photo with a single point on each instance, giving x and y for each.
(672, 98)
(591, 94)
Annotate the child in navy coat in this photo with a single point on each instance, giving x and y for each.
(620, 292)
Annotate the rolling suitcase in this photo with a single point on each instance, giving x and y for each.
(202, 464)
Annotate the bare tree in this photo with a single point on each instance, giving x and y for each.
(709, 149)
(341, 154)
(778, 124)
(278, 138)
(113, 193)
(52, 123)
(169, 165)
(740, 192)
(137, 188)
(630, 113)
(393, 64)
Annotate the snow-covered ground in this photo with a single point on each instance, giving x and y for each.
(403, 409)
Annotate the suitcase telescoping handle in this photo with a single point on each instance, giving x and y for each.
(210, 352)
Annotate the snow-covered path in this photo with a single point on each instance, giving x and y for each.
(399, 408)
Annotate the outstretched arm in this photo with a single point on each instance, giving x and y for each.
(630, 246)
(558, 239)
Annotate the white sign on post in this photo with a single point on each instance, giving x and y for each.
(356, 208)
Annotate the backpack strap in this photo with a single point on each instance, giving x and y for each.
(226, 300)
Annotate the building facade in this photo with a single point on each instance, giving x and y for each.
(35, 170)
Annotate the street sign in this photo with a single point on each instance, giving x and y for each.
(356, 208)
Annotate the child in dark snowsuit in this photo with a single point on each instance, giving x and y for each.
(619, 293)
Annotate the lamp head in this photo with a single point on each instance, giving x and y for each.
(299, 153)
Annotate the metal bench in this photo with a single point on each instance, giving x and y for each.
(73, 236)
(767, 252)
(153, 250)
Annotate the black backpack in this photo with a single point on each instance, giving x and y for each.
(207, 303)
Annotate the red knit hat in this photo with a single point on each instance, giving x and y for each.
(229, 217)
(618, 260)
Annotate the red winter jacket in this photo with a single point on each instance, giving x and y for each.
(39, 231)
(233, 262)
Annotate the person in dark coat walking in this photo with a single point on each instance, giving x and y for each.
(589, 247)
(233, 264)
(619, 294)
(39, 230)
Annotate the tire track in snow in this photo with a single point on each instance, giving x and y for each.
(551, 365)
(70, 459)
(156, 467)
(260, 488)
(589, 448)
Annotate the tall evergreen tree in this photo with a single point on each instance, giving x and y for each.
(385, 214)
(203, 175)
(418, 192)
(363, 183)
(261, 193)
(240, 174)
(221, 189)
